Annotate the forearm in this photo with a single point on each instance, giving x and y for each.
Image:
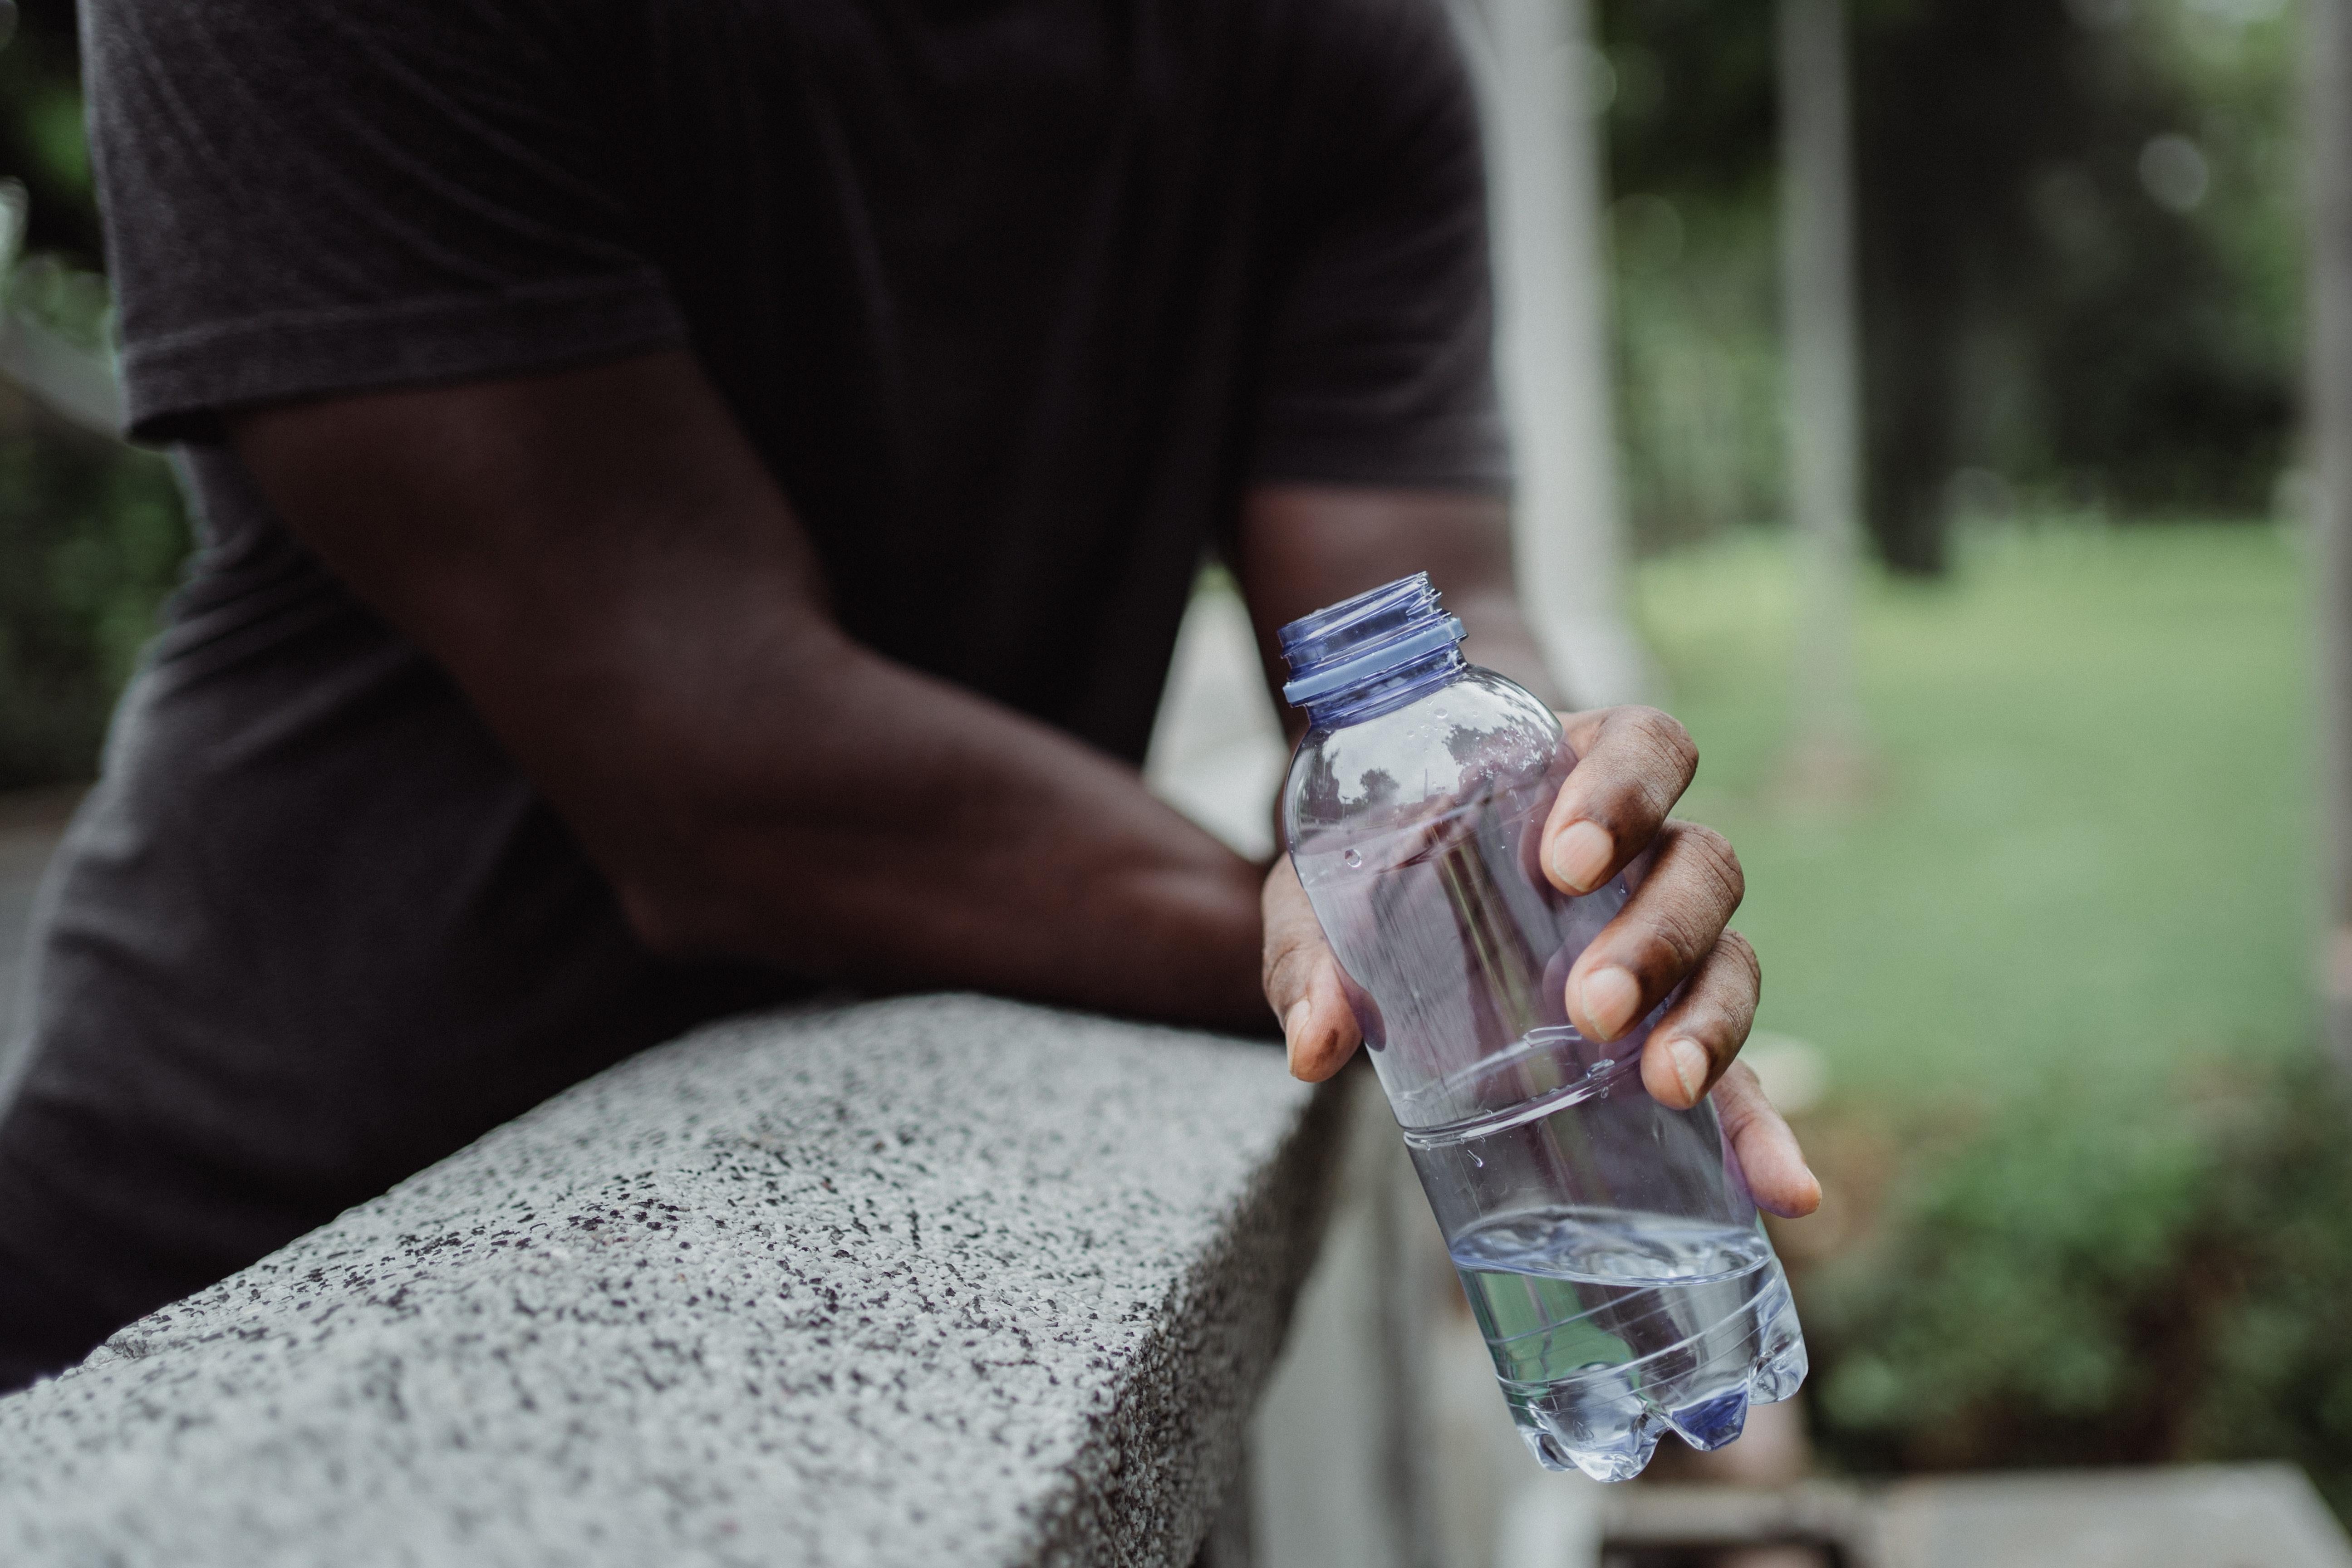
(1497, 636)
(617, 583)
(1304, 546)
(889, 830)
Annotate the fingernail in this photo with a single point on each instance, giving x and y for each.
(1802, 1203)
(1609, 997)
(1688, 1059)
(1294, 1023)
(1580, 857)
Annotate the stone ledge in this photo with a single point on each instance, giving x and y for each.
(942, 1278)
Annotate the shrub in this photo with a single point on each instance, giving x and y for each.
(2107, 1277)
(91, 538)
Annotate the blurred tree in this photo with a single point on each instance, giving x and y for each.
(91, 532)
(1691, 138)
(92, 537)
(1958, 105)
(2077, 247)
(41, 139)
(2032, 258)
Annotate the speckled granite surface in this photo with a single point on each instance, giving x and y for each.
(943, 1279)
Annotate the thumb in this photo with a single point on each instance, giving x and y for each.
(1302, 982)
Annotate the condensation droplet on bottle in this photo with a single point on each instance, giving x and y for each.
(1477, 1161)
(1353, 857)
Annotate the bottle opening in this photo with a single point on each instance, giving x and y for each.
(1363, 641)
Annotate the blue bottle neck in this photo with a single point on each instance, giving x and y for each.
(1385, 694)
(1371, 653)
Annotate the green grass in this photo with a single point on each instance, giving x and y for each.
(2088, 853)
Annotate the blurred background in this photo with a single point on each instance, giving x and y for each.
(2088, 1198)
(2040, 956)
(2041, 951)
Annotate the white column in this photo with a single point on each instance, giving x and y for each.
(1552, 1521)
(2327, 149)
(1532, 59)
(1819, 319)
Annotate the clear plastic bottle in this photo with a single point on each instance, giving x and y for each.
(1607, 1243)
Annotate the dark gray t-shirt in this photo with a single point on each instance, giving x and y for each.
(1013, 297)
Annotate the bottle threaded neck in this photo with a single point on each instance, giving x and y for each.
(1359, 647)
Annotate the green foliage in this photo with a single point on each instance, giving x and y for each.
(2278, 1250)
(2108, 1276)
(1691, 139)
(2049, 321)
(91, 538)
(1699, 376)
(2086, 837)
(2162, 319)
(74, 304)
(91, 534)
(41, 139)
(2058, 959)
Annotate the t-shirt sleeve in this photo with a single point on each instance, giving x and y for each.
(311, 197)
(1380, 366)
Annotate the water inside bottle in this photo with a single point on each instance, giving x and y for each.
(1610, 1328)
(1456, 947)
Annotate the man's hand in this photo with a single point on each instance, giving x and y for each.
(1634, 764)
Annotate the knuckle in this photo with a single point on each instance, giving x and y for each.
(1643, 762)
(1677, 942)
(1675, 741)
(1713, 861)
(1732, 1023)
(1672, 753)
(1741, 951)
(1694, 886)
(1279, 972)
(1289, 968)
(1717, 1028)
(1740, 1098)
(1722, 998)
(1723, 991)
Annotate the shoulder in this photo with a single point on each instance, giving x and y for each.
(1378, 105)
(301, 46)
(1392, 51)
(1378, 80)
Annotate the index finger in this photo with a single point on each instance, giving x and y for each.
(1632, 765)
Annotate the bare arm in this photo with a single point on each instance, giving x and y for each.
(1306, 547)
(602, 563)
(1303, 546)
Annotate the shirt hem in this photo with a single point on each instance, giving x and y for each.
(176, 386)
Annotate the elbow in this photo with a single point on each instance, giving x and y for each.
(684, 911)
(675, 896)
(668, 921)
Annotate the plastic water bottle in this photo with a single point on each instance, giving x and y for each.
(1607, 1243)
